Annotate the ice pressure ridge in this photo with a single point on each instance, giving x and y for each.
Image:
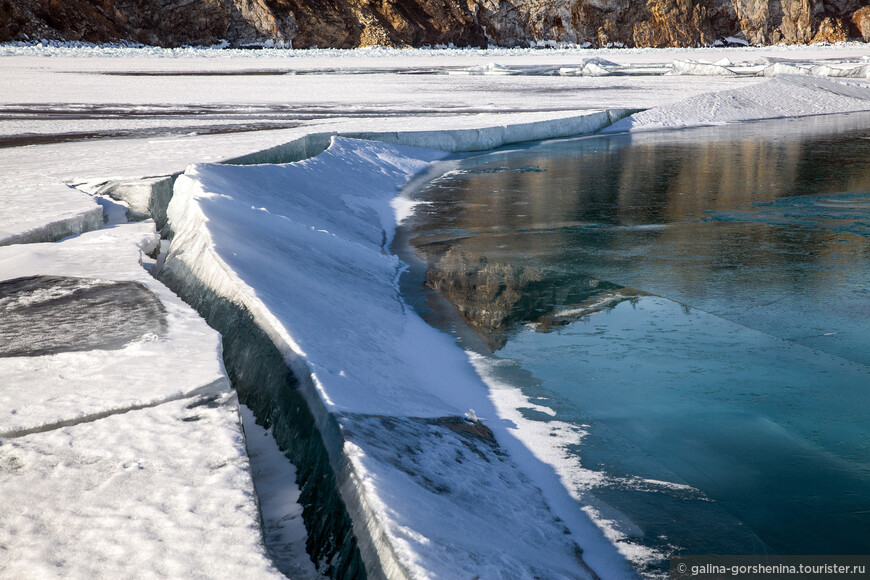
(303, 248)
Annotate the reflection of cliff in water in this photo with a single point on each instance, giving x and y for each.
(494, 297)
(690, 215)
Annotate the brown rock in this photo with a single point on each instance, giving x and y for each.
(861, 20)
(352, 23)
(831, 30)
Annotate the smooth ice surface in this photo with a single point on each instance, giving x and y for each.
(51, 314)
(723, 415)
(307, 256)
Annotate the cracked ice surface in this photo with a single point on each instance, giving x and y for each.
(121, 452)
(302, 247)
(84, 117)
(68, 386)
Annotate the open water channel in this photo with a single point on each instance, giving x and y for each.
(696, 301)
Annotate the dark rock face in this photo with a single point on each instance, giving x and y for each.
(156, 22)
(352, 23)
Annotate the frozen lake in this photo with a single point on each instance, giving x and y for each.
(695, 303)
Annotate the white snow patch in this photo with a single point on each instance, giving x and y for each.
(783, 96)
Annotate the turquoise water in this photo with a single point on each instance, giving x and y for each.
(698, 300)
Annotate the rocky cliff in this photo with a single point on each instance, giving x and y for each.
(352, 23)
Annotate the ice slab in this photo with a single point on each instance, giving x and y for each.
(89, 332)
(121, 450)
(782, 96)
(45, 213)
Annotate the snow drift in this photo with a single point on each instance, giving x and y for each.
(781, 96)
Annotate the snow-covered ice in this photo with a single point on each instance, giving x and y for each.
(156, 492)
(121, 450)
(45, 213)
(72, 385)
(305, 247)
(781, 96)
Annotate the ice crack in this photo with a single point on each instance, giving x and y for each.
(214, 388)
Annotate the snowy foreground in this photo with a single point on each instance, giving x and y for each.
(121, 448)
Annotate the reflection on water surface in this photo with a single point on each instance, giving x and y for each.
(699, 299)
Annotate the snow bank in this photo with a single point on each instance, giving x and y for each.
(303, 248)
(121, 450)
(782, 96)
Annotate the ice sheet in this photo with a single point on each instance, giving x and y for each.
(121, 450)
(359, 91)
(164, 492)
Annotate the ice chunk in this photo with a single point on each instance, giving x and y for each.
(688, 67)
(303, 248)
(45, 214)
